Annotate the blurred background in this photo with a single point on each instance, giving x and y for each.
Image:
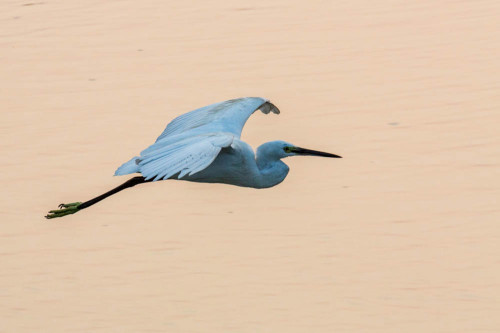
(400, 235)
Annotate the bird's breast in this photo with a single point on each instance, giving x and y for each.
(234, 165)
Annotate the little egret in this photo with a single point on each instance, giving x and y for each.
(204, 146)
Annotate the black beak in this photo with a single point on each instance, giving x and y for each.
(303, 151)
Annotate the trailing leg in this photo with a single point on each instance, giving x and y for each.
(67, 209)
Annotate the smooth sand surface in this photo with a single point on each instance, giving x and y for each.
(402, 235)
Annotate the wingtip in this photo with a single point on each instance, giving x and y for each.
(274, 109)
(269, 107)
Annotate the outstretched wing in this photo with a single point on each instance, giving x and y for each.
(192, 141)
(229, 116)
(186, 156)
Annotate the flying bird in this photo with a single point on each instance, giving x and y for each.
(204, 145)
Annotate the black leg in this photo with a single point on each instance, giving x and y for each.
(72, 208)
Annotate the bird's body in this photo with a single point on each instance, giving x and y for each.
(204, 145)
(237, 165)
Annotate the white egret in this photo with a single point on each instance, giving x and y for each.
(204, 146)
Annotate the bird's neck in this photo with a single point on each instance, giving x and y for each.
(272, 171)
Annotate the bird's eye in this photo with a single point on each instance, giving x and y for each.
(287, 150)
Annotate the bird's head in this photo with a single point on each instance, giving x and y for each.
(282, 149)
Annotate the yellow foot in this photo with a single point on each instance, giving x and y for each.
(64, 209)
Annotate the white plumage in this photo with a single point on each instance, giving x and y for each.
(192, 141)
(204, 146)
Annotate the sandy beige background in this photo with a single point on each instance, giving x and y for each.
(402, 235)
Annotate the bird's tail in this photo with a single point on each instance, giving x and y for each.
(128, 167)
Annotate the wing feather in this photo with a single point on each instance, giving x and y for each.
(228, 116)
(192, 141)
(185, 157)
